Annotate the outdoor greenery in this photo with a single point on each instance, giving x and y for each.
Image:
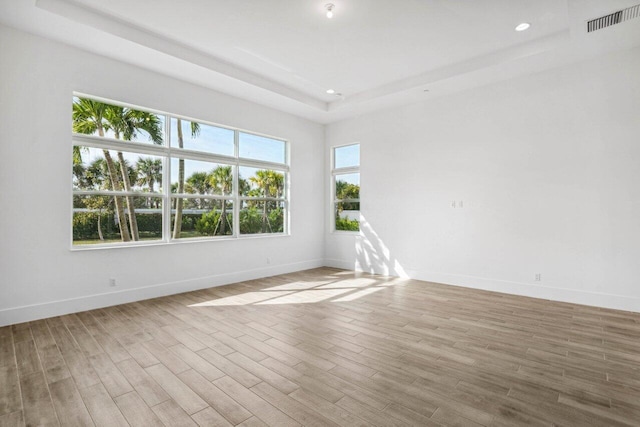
(349, 193)
(94, 117)
(346, 192)
(346, 224)
(201, 203)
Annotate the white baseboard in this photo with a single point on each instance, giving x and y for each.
(596, 299)
(338, 263)
(28, 313)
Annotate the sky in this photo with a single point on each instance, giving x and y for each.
(212, 139)
(347, 156)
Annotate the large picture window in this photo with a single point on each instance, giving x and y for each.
(345, 175)
(143, 177)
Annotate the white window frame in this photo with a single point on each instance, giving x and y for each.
(167, 153)
(334, 200)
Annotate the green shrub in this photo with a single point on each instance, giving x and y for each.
(85, 226)
(250, 221)
(346, 224)
(149, 222)
(276, 220)
(209, 224)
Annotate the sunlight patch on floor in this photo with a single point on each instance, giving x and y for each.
(297, 286)
(356, 295)
(242, 299)
(306, 292)
(361, 282)
(306, 297)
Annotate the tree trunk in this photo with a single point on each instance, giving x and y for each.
(115, 184)
(223, 218)
(100, 226)
(133, 222)
(152, 183)
(264, 214)
(177, 225)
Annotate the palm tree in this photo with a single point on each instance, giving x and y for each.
(243, 186)
(271, 184)
(177, 225)
(149, 172)
(79, 168)
(88, 118)
(127, 122)
(276, 184)
(97, 175)
(221, 179)
(79, 175)
(97, 178)
(198, 183)
(276, 189)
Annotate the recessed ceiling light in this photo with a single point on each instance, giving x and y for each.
(522, 27)
(331, 91)
(329, 7)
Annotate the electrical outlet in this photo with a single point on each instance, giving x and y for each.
(538, 277)
(112, 282)
(268, 260)
(453, 204)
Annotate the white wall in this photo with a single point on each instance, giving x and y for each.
(547, 167)
(40, 276)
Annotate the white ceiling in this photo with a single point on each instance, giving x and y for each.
(286, 53)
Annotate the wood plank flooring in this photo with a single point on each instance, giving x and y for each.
(325, 347)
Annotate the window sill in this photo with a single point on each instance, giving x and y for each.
(345, 233)
(82, 248)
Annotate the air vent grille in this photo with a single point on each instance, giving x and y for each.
(613, 18)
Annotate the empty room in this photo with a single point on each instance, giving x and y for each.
(320, 213)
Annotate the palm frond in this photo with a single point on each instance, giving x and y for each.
(195, 129)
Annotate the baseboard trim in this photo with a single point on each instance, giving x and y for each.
(338, 263)
(32, 312)
(595, 299)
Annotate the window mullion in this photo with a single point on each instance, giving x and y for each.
(201, 156)
(111, 193)
(105, 143)
(264, 165)
(202, 196)
(236, 185)
(166, 185)
(345, 171)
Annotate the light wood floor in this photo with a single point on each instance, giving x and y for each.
(325, 347)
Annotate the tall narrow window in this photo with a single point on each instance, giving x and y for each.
(345, 186)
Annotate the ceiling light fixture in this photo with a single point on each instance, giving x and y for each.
(329, 7)
(331, 91)
(522, 27)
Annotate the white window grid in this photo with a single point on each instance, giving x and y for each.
(167, 153)
(334, 173)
